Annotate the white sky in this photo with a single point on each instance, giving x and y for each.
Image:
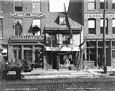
(58, 5)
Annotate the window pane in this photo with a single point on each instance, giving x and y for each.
(91, 6)
(113, 23)
(113, 1)
(101, 23)
(91, 24)
(36, 7)
(102, 4)
(36, 22)
(1, 24)
(18, 5)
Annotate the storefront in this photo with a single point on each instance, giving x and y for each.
(94, 50)
(26, 47)
(61, 51)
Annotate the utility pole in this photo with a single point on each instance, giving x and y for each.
(104, 39)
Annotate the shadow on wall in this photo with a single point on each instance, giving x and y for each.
(75, 11)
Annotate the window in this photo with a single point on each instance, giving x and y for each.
(18, 5)
(101, 26)
(113, 26)
(62, 20)
(92, 26)
(36, 7)
(18, 29)
(91, 4)
(102, 4)
(1, 27)
(113, 4)
(36, 27)
(65, 40)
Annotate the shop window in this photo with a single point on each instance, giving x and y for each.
(102, 4)
(36, 7)
(18, 5)
(62, 20)
(102, 27)
(36, 27)
(28, 55)
(113, 26)
(91, 4)
(18, 29)
(113, 4)
(91, 54)
(92, 26)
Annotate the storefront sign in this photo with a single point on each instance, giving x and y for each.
(27, 37)
(99, 15)
(27, 15)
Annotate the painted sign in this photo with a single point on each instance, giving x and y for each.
(27, 15)
(99, 15)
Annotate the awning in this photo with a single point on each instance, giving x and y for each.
(55, 30)
(62, 49)
(36, 23)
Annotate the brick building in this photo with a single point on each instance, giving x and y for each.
(93, 31)
(24, 24)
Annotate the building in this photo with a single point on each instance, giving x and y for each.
(24, 24)
(93, 32)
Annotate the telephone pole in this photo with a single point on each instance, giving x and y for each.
(104, 39)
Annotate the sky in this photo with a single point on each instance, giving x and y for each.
(58, 5)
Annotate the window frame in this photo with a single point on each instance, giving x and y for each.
(113, 26)
(103, 4)
(20, 6)
(113, 4)
(36, 2)
(92, 29)
(101, 27)
(92, 2)
(62, 20)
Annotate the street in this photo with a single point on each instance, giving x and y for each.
(60, 84)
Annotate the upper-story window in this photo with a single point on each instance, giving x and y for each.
(1, 27)
(36, 6)
(18, 5)
(91, 4)
(36, 27)
(101, 26)
(18, 27)
(113, 26)
(92, 26)
(102, 4)
(62, 20)
(113, 4)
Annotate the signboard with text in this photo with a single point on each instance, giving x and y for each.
(27, 15)
(99, 15)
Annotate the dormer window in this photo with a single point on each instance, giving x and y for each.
(62, 20)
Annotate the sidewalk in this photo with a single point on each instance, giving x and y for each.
(65, 73)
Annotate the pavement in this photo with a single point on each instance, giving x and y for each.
(39, 73)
